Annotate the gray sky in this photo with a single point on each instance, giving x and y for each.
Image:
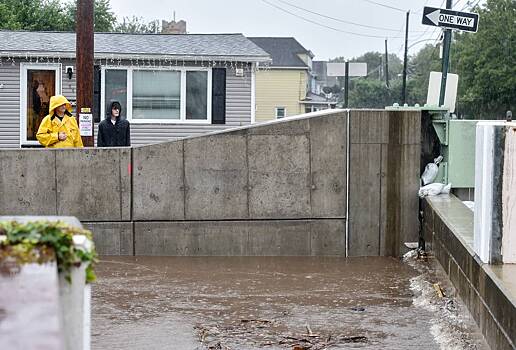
(261, 18)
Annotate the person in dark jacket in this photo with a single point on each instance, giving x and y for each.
(114, 131)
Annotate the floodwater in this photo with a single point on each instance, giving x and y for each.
(277, 303)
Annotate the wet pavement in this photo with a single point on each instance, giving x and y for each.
(277, 303)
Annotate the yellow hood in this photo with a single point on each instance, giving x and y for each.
(58, 100)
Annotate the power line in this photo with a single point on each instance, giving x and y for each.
(326, 26)
(336, 19)
(390, 7)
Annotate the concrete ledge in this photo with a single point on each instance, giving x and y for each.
(241, 238)
(487, 290)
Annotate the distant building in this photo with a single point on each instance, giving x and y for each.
(321, 78)
(173, 27)
(285, 88)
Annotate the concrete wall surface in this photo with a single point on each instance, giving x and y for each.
(267, 189)
(495, 185)
(487, 290)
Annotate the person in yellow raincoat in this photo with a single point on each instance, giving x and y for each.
(59, 128)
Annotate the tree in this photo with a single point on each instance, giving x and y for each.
(104, 19)
(32, 15)
(376, 65)
(369, 94)
(419, 68)
(137, 25)
(485, 62)
(51, 15)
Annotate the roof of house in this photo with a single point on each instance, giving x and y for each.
(208, 46)
(312, 98)
(284, 51)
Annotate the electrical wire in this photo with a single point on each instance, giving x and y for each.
(326, 26)
(336, 19)
(391, 7)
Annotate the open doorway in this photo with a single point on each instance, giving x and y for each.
(38, 84)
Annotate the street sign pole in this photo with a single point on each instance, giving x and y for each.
(346, 85)
(446, 58)
(446, 18)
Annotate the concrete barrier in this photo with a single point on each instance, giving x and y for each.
(70, 303)
(356, 168)
(487, 290)
(495, 185)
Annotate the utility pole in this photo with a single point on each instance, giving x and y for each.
(446, 58)
(386, 65)
(84, 67)
(346, 84)
(404, 88)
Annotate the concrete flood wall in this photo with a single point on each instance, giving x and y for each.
(278, 188)
(487, 290)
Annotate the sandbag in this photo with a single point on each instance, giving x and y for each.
(431, 171)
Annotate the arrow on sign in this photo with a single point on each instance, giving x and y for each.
(465, 21)
(434, 17)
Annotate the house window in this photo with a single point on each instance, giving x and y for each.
(196, 95)
(156, 94)
(281, 112)
(116, 89)
(181, 95)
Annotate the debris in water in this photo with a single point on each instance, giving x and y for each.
(438, 290)
(310, 333)
(358, 308)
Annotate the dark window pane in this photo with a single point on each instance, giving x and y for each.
(196, 95)
(116, 90)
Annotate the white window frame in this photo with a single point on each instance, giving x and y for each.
(182, 119)
(276, 112)
(24, 67)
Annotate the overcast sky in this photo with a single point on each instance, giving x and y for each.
(277, 18)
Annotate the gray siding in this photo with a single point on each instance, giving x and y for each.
(9, 105)
(238, 109)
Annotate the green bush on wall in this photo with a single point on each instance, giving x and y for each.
(43, 241)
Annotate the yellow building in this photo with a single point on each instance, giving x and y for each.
(284, 88)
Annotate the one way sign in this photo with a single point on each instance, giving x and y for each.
(465, 21)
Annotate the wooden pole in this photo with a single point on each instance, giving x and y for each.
(84, 61)
(386, 65)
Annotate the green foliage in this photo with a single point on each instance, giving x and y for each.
(104, 18)
(376, 64)
(32, 15)
(136, 25)
(51, 15)
(486, 62)
(45, 236)
(369, 94)
(375, 94)
(419, 67)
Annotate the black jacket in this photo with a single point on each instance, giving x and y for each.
(118, 135)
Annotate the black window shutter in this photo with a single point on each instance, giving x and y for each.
(218, 96)
(96, 93)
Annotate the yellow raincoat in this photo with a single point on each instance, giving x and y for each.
(51, 126)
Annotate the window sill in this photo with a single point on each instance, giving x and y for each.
(169, 121)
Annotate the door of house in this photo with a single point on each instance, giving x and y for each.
(38, 83)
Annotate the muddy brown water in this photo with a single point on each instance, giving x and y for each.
(276, 303)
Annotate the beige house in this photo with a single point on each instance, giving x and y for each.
(284, 89)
